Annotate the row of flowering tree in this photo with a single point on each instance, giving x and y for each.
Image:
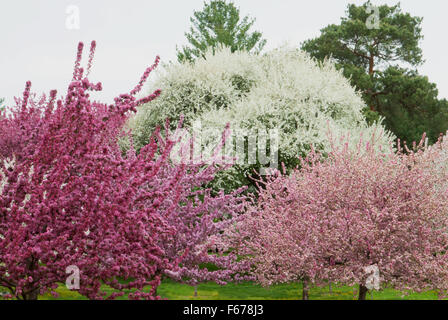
(70, 197)
(333, 220)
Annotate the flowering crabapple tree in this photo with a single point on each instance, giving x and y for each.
(200, 213)
(276, 237)
(383, 210)
(331, 219)
(70, 197)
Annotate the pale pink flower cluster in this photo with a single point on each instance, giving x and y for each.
(333, 217)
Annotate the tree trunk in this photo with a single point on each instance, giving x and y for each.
(330, 288)
(371, 72)
(33, 295)
(305, 289)
(371, 65)
(362, 292)
(195, 291)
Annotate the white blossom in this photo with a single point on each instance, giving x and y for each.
(310, 103)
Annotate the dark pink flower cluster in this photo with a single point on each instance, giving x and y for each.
(70, 197)
(198, 216)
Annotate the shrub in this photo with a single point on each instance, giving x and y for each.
(283, 89)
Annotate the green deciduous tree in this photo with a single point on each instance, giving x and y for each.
(219, 23)
(380, 61)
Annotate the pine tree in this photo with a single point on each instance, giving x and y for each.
(219, 23)
(381, 61)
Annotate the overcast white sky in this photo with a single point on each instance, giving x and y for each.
(36, 45)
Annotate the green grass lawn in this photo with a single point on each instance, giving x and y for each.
(249, 291)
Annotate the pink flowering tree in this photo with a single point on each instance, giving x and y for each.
(334, 218)
(200, 214)
(15, 128)
(70, 197)
(277, 238)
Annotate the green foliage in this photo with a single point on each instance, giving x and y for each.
(219, 24)
(352, 43)
(411, 106)
(375, 61)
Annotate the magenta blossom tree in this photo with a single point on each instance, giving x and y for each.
(201, 214)
(334, 218)
(70, 197)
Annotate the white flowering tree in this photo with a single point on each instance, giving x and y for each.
(283, 91)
